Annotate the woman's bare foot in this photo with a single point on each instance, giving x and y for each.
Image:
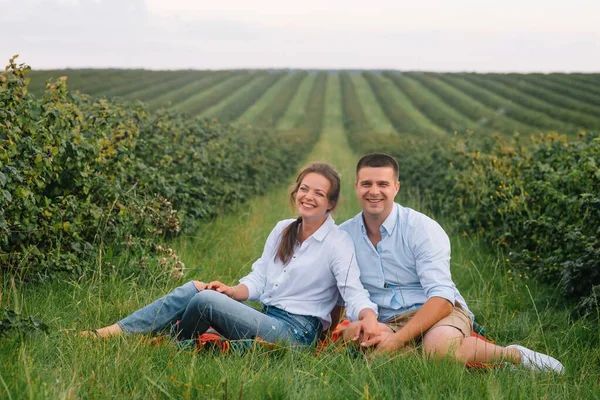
(111, 330)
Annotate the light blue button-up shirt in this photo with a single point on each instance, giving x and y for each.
(323, 266)
(410, 264)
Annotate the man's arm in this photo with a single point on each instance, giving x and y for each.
(428, 315)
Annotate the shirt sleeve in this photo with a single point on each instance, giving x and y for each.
(257, 279)
(431, 248)
(347, 275)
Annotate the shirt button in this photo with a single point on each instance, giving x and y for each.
(285, 270)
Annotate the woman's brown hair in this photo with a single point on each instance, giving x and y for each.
(285, 251)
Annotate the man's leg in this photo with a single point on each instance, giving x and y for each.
(444, 341)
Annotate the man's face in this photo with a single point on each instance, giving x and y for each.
(376, 189)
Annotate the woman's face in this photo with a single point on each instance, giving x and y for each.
(312, 196)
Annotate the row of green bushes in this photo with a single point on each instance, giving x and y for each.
(531, 118)
(576, 120)
(586, 93)
(538, 198)
(245, 100)
(548, 95)
(196, 105)
(80, 177)
(439, 113)
(269, 116)
(487, 118)
(400, 119)
(177, 95)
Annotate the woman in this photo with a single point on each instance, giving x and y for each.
(306, 263)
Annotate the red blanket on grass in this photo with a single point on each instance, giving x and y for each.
(214, 341)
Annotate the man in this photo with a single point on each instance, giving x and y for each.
(404, 261)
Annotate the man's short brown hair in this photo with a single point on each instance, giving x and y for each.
(378, 160)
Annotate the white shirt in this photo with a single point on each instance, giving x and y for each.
(323, 267)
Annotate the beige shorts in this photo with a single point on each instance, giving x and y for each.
(458, 319)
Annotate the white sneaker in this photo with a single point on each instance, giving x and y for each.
(534, 360)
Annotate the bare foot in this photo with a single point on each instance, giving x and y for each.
(111, 330)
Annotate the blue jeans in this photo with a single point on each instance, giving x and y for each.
(199, 310)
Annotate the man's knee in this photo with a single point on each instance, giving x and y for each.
(442, 341)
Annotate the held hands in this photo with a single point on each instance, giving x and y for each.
(385, 342)
(366, 328)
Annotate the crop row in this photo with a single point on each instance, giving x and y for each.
(534, 119)
(196, 104)
(534, 90)
(584, 93)
(178, 95)
(435, 109)
(269, 116)
(402, 118)
(578, 120)
(416, 103)
(468, 106)
(236, 104)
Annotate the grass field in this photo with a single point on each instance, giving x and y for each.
(513, 309)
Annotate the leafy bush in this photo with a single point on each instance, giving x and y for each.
(539, 200)
(80, 175)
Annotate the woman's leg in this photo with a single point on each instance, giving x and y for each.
(157, 315)
(232, 319)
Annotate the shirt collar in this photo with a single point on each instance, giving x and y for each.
(389, 223)
(324, 229)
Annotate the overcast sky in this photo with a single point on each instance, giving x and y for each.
(434, 35)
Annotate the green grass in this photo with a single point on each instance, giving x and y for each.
(513, 309)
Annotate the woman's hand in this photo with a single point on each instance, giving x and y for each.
(221, 288)
(200, 285)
